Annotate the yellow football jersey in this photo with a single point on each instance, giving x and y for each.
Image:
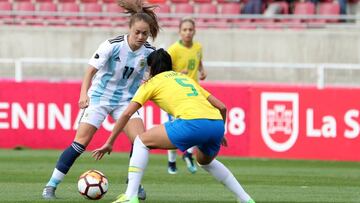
(186, 58)
(178, 95)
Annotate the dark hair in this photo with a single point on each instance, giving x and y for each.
(159, 61)
(139, 11)
(186, 19)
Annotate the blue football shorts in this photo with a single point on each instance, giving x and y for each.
(206, 134)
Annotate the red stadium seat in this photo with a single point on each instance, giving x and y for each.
(92, 9)
(157, 1)
(88, 1)
(329, 9)
(109, 1)
(48, 7)
(202, 1)
(184, 8)
(162, 10)
(41, 1)
(230, 9)
(115, 13)
(26, 7)
(5, 6)
(180, 1)
(71, 9)
(208, 10)
(66, 1)
(303, 8)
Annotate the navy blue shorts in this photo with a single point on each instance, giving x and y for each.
(206, 134)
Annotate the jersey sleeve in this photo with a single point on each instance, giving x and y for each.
(101, 55)
(143, 94)
(202, 91)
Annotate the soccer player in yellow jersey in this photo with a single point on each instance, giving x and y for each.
(186, 56)
(199, 122)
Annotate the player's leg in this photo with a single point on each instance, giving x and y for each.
(222, 174)
(189, 160)
(88, 125)
(83, 136)
(172, 169)
(151, 139)
(134, 127)
(205, 157)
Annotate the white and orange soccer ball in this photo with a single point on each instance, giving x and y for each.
(93, 184)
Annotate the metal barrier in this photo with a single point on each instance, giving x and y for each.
(320, 69)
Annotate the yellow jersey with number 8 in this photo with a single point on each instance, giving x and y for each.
(184, 58)
(178, 95)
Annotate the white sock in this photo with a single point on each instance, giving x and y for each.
(190, 150)
(223, 175)
(137, 165)
(172, 155)
(56, 177)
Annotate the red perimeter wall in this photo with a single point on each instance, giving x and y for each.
(293, 122)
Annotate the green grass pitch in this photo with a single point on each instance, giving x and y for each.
(23, 174)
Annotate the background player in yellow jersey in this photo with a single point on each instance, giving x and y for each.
(186, 56)
(199, 122)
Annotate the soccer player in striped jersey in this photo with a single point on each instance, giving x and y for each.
(186, 55)
(115, 72)
(199, 122)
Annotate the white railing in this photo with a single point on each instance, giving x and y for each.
(320, 68)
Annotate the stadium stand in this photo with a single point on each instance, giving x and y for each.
(7, 7)
(180, 1)
(47, 6)
(329, 8)
(208, 13)
(157, 1)
(203, 1)
(304, 8)
(184, 8)
(206, 9)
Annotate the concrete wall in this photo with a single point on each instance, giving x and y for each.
(283, 46)
(302, 46)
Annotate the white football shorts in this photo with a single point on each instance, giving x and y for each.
(96, 114)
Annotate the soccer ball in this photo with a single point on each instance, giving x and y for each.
(93, 184)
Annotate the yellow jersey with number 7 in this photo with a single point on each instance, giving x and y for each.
(179, 95)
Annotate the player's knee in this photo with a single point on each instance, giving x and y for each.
(203, 166)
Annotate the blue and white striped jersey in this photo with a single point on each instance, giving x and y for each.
(120, 71)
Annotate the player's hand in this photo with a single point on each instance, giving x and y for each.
(203, 75)
(100, 152)
(224, 142)
(184, 71)
(84, 101)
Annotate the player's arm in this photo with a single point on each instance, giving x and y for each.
(202, 71)
(97, 61)
(219, 105)
(222, 108)
(119, 126)
(85, 85)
